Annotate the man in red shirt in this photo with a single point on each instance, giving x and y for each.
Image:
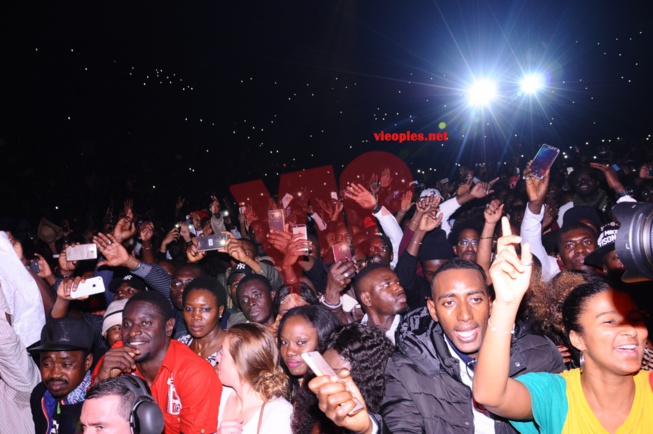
(184, 385)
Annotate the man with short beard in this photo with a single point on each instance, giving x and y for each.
(65, 359)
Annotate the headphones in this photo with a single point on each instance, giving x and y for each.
(146, 417)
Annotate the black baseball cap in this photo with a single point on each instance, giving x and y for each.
(131, 281)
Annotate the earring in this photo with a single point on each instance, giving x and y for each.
(582, 361)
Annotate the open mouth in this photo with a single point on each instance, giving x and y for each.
(467, 335)
(627, 350)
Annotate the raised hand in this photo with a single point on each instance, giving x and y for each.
(336, 400)
(511, 275)
(375, 184)
(493, 211)
(339, 276)
(386, 179)
(361, 196)
(125, 228)
(611, 176)
(279, 239)
(482, 189)
(44, 268)
(179, 204)
(192, 254)
(536, 188)
(172, 236)
(128, 207)
(430, 221)
(114, 253)
(67, 286)
(407, 201)
(297, 247)
(64, 264)
(146, 231)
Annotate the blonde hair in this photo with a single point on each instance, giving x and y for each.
(254, 350)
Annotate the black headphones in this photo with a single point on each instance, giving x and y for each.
(146, 417)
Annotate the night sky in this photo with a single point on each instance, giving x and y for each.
(115, 97)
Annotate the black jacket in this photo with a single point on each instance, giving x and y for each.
(424, 392)
(66, 421)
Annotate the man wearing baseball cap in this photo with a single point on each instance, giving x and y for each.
(604, 255)
(126, 287)
(65, 359)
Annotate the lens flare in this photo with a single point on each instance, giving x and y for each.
(481, 93)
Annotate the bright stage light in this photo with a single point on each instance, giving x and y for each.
(532, 83)
(481, 93)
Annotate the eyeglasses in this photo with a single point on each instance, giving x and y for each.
(465, 242)
(178, 284)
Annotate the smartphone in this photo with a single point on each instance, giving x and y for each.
(300, 229)
(334, 196)
(341, 251)
(177, 226)
(276, 220)
(212, 242)
(320, 367)
(81, 252)
(34, 265)
(543, 160)
(225, 213)
(94, 285)
(241, 207)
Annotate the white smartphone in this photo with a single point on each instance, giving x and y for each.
(94, 285)
(81, 252)
(300, 229)
(320, 367)
(285, 201)
(212, 242)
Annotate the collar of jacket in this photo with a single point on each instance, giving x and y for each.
(421, 339)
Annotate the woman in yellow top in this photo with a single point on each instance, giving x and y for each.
(608, 394)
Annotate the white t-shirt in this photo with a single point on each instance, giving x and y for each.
(276, 415)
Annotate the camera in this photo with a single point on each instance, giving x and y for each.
(634, 242)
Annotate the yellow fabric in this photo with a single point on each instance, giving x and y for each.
(581, 419)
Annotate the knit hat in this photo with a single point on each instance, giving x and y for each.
(113, 314)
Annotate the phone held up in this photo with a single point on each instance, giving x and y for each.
(543, 160)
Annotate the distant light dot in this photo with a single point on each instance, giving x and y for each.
(442, 125)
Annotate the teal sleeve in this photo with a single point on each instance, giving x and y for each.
(549, 402)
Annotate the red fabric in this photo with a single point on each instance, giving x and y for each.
(196, 384)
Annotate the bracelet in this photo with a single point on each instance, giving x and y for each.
(140, 264)
(494, 330)
(413, 241)
(329, 305)
(377, 208)
(189, 243)
(487, 238)
(150, 248)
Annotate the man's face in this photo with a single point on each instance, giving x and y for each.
(379, 251)
(574, 246)
(430, 267)
(467, 244)
(125, 291)
(63, 371)
(180, 279)
(382, 293)
(461, 305)
(113, 335)
(102, 415)
(255, 300)
(585, 184)
(612, 265)
(143, 327)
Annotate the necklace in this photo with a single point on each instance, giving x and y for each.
(199, 353)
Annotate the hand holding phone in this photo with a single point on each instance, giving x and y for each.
(320, 367)
(543, 160)
(94, 285)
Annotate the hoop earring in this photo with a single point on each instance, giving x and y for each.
(582, 361)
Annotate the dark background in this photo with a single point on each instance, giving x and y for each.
(104, 101)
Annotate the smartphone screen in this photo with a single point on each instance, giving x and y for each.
(212, 242)
(543, 160)
(341, 251)
(81, 252)
(301, 230)
(276, 220)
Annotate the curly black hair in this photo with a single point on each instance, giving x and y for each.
(367, 349)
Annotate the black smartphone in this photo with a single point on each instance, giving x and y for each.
(543, 160)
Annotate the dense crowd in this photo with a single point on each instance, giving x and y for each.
(480, 304)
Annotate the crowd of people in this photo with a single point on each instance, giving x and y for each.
(478, 305)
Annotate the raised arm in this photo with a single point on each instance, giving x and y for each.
(492, 215)
(492, 385)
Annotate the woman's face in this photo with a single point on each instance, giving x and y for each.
(297, 336)
(201, 313)
(614, 333)
(226, 366)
